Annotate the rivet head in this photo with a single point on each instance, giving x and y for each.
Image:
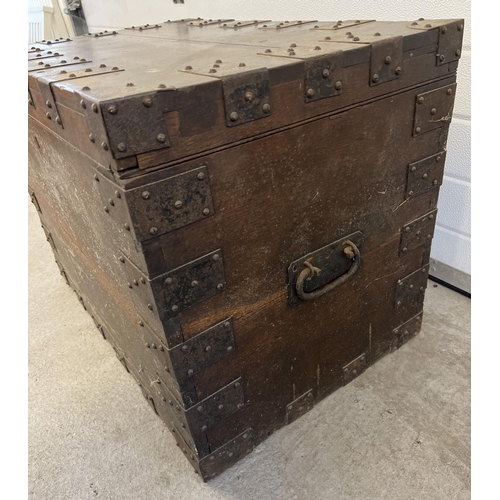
(95, 109)
(48, 116)
(175, 308)
(121, 147)
(435, 182)
(268, 51)
(200, 176)
(233, 116)
(212, 70)
(428, 26)
(431, 216)
(83, 104)
(206, 211)
(111, 202)
(375, 77)
(184, 348)
(325, 73)
(433, 111)
(188, 68)
(121, 259)
(96, 177)
(194, 283)
(104, 146)
(397, 71)
(218, 61)
(91, 138)
(129, 284)
(190, 372)
(418, 130)
(444, 29)
(242, 65)
(215, 257)
(58, 120)
(220, 286)
(208, 348)
(338, 85)
(161, 138)
(424, 176)
(106, 209)
(438, 158)
(317, 47)
(150, 307)
(169, 281)
(141, 323)
(410, 192)
(229, 348)
(266, 108)
(145, 195)
(356, 39)
(310, 92)
(178, 204)
(413, 169)
(449, 92)
(460, 27)
(407, 229)
(420, 100)
(458, 52)
(204, 429)
(220, 407)
(248, 96)
(237, 384)
(442, 57)
(405, 249)
(135, 282)
(328, 37)
(147, 102)
(153, 231)
(388, 60)
(227, 324)
(112, 110)
(376, 34)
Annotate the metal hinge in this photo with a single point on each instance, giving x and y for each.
(299, 406)
(418, 232)
(411, 286)
(406, 331)
(425, 174)
(433, 109)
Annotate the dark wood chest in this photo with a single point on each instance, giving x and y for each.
(245, 208)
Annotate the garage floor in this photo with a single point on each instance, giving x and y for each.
(399, 431)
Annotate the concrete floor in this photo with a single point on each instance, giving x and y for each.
(399, 431)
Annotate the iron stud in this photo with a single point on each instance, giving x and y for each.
(206, 211)
(153, 231)
(145, 195)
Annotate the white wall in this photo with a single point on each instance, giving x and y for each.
(452, 243)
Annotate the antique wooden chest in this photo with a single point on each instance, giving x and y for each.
(245, 208)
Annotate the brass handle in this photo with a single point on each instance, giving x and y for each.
(351, 251)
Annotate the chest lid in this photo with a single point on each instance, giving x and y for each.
(149, 95)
